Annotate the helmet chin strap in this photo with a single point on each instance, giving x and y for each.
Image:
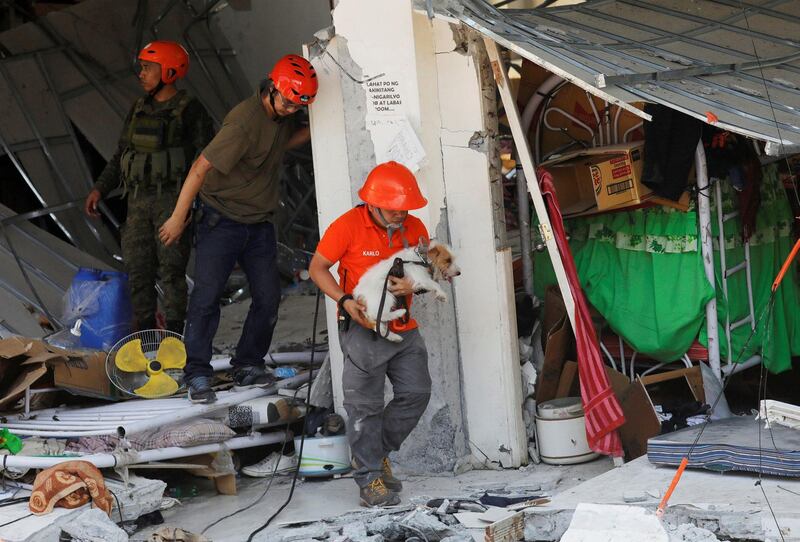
(275, 116)
(158, 88)
(391, 228)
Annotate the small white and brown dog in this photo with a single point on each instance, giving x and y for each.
(423, 265)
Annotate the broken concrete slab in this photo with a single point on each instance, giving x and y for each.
(140, 496)
(93, 525)
(691, 533)
(613, 523)
(730, 506)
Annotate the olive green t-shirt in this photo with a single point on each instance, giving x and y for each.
(246, 153)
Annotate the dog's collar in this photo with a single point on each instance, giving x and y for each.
(422, 253)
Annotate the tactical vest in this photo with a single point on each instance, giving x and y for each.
(155, 154)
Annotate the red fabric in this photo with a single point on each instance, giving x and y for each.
(603, 412)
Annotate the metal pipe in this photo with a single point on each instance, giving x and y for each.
(46, 150)
(195, 411)
(601, 138)
(707, 252)
(110, 460)
(631, 129)
(69, 51)
(570, 117)
(75, 146)
(197, 17)
(751, 362)
(524, 219)
(616, 125)
(24, 174)
(533, 105)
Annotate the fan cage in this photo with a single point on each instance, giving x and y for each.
(127, 382)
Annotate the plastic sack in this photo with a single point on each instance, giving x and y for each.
(97, 308)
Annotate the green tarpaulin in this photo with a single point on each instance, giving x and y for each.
(642, 270)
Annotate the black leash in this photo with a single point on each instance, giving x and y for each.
(397, 271)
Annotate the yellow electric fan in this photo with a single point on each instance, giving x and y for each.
(147, 364)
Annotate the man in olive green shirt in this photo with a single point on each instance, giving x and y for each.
(237, 179)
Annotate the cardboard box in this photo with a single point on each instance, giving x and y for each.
(600, 178)
(557, 345)
(638, 398)
(24, 361)
(84, 374)
(22, 364)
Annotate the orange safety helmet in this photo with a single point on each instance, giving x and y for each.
(393, 187)
(170, 55)
(296, 79)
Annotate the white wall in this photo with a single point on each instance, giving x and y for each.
(473, 357)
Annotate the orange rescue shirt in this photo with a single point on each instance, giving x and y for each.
(357, 243)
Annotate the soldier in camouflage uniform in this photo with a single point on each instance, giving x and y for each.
(163, 133)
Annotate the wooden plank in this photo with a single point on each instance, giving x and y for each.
(693, 375)
(528, 166)
(509, 529)
(567, 385)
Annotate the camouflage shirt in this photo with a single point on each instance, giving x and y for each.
(196, 133)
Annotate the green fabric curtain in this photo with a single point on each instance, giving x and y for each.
(642, 270)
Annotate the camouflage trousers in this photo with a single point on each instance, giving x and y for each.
(148, 260)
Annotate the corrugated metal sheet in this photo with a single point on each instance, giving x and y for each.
(737, 60)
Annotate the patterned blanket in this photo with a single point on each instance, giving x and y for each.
(69, 485)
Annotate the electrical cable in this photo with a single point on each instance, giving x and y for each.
(266, 490)
(767, 310)
(274, 469)
(303, 436)
(16, 520)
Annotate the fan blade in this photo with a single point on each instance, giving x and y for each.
(171, 353)
(130, 357)
(158, 385)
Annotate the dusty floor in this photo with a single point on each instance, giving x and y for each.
(317, 499)
(293, 331)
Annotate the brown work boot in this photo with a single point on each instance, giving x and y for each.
(389, 480)
(377, 494)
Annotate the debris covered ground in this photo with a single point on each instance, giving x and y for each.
(336, 502)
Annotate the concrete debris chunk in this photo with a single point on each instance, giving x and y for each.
(610, 523)
(303, 533)
(428, 524)
(634, 496)
(357, 532)
(387, 527)
(458, 538)
(93, 525)
(691, 533)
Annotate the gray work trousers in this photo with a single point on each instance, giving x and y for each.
(373, 429)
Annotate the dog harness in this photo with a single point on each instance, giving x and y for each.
(397, 271)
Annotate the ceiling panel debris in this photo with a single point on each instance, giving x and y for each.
(738, 61)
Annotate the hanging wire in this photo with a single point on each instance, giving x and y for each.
(342, 68)
(792, 177)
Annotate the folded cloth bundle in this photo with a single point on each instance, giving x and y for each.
(69, 485)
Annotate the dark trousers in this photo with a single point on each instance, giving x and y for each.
(220, 244)
(372, 429)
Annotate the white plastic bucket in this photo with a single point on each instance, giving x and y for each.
(324, 456)
(561, 432)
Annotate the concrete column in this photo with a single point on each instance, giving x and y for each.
(388, 69)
